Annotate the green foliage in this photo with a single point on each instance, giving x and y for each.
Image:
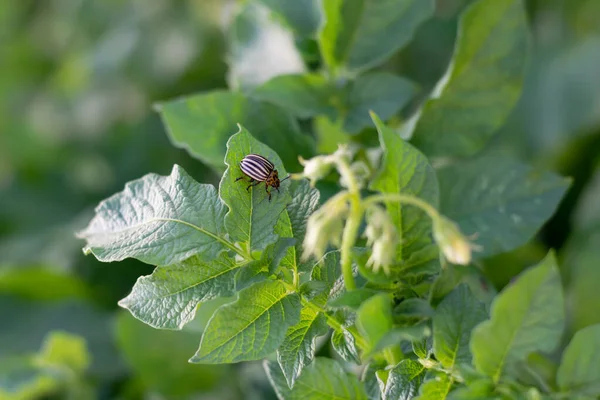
(325, 378)
(527, 316)
(454, 319)
(483, 81)
(360, 34)
(579, 371)
(502, 201)
(251, 327)
(379, 270)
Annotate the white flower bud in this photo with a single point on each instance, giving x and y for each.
(382, 235)
(316, 168)
(455, 246)
(325, 226)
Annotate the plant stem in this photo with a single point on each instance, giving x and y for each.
(404, 198)
(352, 223)
(334, 323)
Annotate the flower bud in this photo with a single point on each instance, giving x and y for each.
(361, 173)
(316, 168)
(455, 246)
(382, 235)
(325, 226)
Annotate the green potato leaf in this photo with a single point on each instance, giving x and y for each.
(159, 220)
(579, 370)
(168, 298)
(379, 92)
(500, 200)
(403, 380)
(251, 327)
(303, 16)
(482, 84)
(527, 316)
(360, 34)
(252, 217)
(203, 123)
(404, 170)
(454, 319)
(324, 378)
(298, 349)
(436, 386)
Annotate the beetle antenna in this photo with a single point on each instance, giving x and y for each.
(287, 177)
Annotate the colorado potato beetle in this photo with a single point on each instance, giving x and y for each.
(259, 169)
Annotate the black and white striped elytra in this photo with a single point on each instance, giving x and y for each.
(259, 169)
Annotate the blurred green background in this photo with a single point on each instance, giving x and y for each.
(78, 79)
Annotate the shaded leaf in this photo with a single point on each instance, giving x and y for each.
(396, 335)
(405, 170)
(203, 123)
(501, 200)
(352, 299)
(329, 134)
(304, 96)
(482, 84)
(298, 349)
(454, 319)
(252, 217)
(404, 380)
(344, 344)
(277, 379)
(527, 316)
(360, 34)
(303, 16)
(324, 378)
(305, 201)
(168, 298)
(251, 327)
(379, 92)
(159, 220)
(579, 370)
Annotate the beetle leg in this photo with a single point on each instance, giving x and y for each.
(267, 190)
(252, 184)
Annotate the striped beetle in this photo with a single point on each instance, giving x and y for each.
(259, 169)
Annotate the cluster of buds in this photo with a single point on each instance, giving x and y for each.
(325, 226)
(455, 246)
(319, 167)
(382, 235)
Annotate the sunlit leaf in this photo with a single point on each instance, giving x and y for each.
(159, 220)
(298, 349)
(168, 298)
(251, 327)
(252, 217)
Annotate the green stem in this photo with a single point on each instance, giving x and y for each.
(352, 223)
(404, 198)
(334, 323)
